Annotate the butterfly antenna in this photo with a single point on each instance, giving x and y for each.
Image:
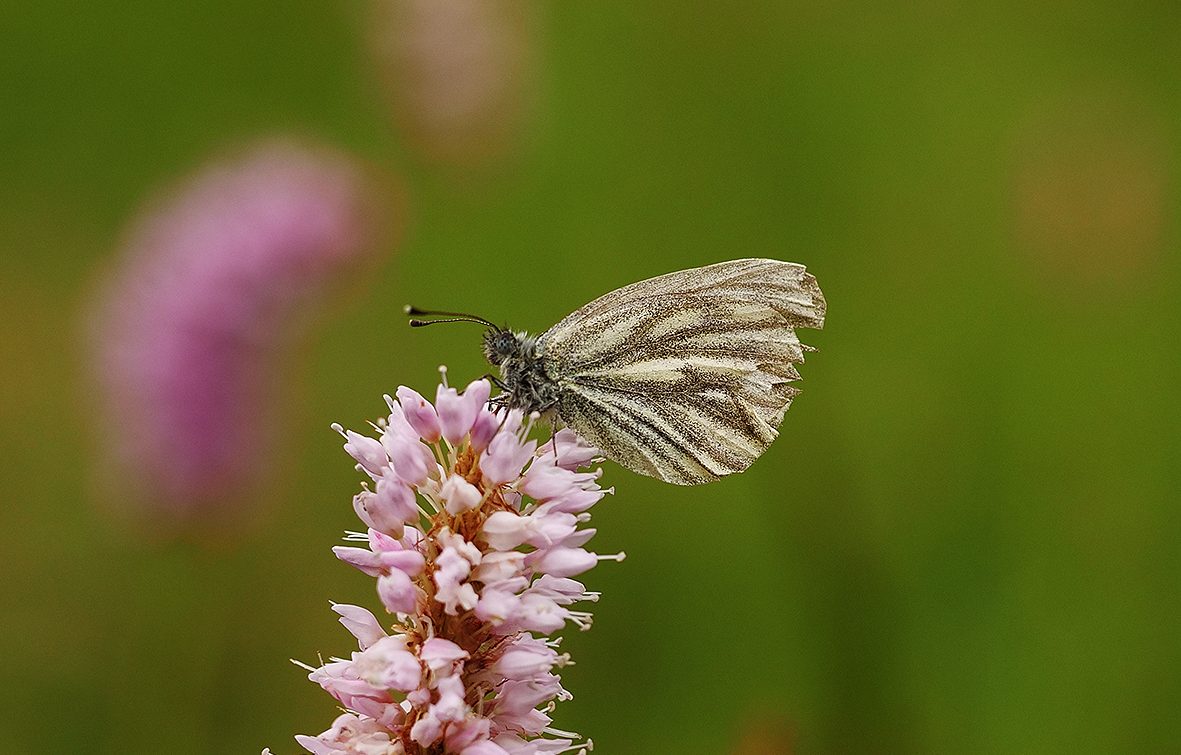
(448, 317)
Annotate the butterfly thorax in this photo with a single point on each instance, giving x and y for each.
(526, 384)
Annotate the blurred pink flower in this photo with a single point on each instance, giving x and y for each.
(457, 73)
(467, 570)
(188, 325)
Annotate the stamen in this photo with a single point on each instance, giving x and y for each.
(581, 619)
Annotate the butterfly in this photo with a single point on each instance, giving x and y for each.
(684, 377)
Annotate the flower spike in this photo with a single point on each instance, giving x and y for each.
(474, 531)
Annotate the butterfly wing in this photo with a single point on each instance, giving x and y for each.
(686, 376)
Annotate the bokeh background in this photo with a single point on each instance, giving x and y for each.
(967, 537)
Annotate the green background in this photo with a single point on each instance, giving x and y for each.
(967, 537)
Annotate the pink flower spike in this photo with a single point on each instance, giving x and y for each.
(469, 578)
(218, 277)
(420, 414)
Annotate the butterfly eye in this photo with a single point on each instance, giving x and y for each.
(499, 345)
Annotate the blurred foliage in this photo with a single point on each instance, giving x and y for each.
(967, 539)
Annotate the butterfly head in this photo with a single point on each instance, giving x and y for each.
(501, 345)
(523, 379)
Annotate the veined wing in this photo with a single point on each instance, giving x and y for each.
(685, 377)
(786, 286)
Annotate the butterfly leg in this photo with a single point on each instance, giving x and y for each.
(553, 434)
(494, 380)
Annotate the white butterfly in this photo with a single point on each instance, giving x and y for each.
(684, 377)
